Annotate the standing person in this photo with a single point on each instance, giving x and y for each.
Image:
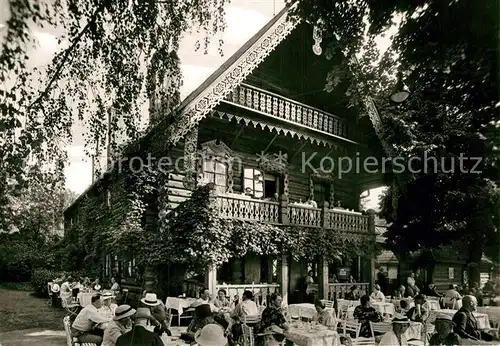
(120, 325)
(308, 281)
(382, 280)
(140, 335)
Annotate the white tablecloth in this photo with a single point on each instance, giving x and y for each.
(483, 321)
(384, 308)
(303, 310)
(493, 313)
(348, 303)
(433, 304)
(304, 336)
(85, 298)
(179, 304)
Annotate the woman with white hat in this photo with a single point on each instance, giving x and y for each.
(445, 335)
(108, 305)
(120, 325)
(396, 336)
(211, 335)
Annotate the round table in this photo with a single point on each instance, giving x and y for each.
(307, 335)
(483, 321)
(306, 310)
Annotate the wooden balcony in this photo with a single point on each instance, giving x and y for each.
(241, 207)
(288, 110)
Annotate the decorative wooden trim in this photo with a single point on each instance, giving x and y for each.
(190, 162)
(230, 77)
(263, 124)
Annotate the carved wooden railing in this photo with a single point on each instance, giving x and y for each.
(234, 206)
(305, 216)
(343, 288)
(345, 221)
(287, 109)
(247, 209)
(262, 292)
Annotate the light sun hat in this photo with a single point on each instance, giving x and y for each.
(151, 300)
(211, 335)
(123, 311)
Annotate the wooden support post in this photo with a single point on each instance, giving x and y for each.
(284, 210)
(211, 279)
(326, 216)
(323, 278)
(371, 230)
(284, 278)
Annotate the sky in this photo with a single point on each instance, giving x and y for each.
(244, 18)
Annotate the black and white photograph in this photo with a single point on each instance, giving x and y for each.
(249, 172)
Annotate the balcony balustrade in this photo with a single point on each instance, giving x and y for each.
(289, 110)
(241, 207)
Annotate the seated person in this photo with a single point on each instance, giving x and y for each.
(140, 334)
(211, 335)
(324, 316)
(160, 318)
(365, 313)
(444, 332)
(404, 307)
(396, 337)
(466, 323)
(400, 292)
(431, 291)
(206, 299)
(221, 301)
(121, 324)
(420, 312)
(84, 326)
(202, 317)
(115, 286)
(246, 307)
(108, 306)
(353, 294)
(377, 294)
(273, 316)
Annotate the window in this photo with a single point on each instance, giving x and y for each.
(271, 186)
(215, 172)
(451, 273)
(253, 179)
(321, 192)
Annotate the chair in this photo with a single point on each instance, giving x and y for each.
(70, 306)
(355, 327)
(251, 319)
(380, 328)
(70, 340)
(450, 303)
(248, 337)
(328, 303)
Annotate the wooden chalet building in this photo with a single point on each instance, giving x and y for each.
(266, 109)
